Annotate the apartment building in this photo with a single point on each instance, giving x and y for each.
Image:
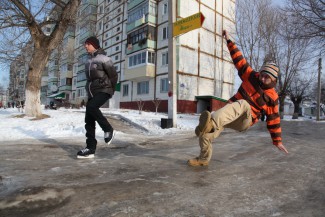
(205, 74)
(85, 27)
(18, 76)
(111, 32)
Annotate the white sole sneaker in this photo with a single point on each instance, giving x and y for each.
(85, 157)
(109, 142)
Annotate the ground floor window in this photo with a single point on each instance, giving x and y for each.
(164, 85)
(143, 87)
(81, 92)
(125, 89)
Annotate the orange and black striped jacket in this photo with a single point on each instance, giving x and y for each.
(258, 98)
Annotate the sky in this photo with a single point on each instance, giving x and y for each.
(64, 123)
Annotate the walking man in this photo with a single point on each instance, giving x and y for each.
(101, 80)
(255, 94)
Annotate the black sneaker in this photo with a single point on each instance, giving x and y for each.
(108, 137)
(86, 153)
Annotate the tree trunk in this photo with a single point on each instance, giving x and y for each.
(296, 109)
(33, 84)
(281, 106)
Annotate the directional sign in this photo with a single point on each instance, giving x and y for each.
(188, 24)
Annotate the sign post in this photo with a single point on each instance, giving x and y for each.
(172, 96)
(177, 28)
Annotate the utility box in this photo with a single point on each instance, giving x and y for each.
(166, 123)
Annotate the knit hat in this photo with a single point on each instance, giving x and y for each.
(93, 41)
(271, 69)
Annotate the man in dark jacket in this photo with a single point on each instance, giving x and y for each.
(101, 80)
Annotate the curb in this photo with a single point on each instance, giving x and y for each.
(128, 121)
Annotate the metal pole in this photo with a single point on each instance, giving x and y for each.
(319, 89)
(172, 94)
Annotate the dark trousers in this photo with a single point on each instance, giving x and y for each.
(94, 114)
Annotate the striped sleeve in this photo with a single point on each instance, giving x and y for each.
(273, 123)
(244, 69)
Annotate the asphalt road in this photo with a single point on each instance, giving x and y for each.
(143, 175)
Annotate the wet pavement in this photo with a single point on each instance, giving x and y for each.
(146, 175)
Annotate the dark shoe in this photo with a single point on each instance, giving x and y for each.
(86, 153)
(197, 162)
(108, 136)
(205, 124)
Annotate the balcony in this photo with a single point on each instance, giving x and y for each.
(143, 44)
(65, 88)
(144, 71)
(133, 3)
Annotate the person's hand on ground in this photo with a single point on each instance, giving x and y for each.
(282, 148)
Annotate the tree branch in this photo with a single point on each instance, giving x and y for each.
(59, 3)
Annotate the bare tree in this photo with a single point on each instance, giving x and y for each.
(256, 29)
(265, 34)
(27, 20)
(293, 57)
(2, 90)
(156, 102)
(301, 89)
(140, 104)
(310, 20)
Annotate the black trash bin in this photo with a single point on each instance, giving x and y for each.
(166, 123)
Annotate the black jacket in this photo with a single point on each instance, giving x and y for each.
(100, 73)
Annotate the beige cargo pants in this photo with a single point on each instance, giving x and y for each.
(236, 115)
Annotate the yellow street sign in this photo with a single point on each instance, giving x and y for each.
(188, 24)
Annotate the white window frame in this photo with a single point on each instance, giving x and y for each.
(165, 8)
(143, 88)
(164, 58)
(125, 88)
(164, 85)
(165, 33)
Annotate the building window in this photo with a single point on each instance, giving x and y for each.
(165, 8)
(100, 25)
(152, 8)
(165, 33)
(125, 89)
(81, 92)
(164, 59)
(66, 81)
(137, 59)
(117, 48)
(164, 85)
(117, 38)
(151, 57)
(116, 57)
(118, 19)
(140, 35)
(138, 13)
(100, 9)
(142, 58)
(143, 87)
(81, 76)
